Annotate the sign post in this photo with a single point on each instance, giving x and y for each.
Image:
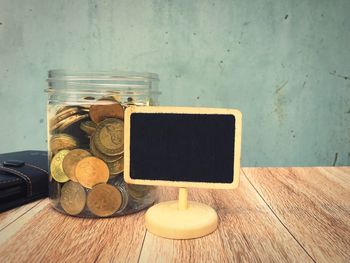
(182, 147)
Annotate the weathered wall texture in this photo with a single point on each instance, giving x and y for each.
(285, 64)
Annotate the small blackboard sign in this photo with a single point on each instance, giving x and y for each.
(183, 147)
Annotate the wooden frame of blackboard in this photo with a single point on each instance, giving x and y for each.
(183, 110)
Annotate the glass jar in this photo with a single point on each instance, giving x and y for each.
(85, 113)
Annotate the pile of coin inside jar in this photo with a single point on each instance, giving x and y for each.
(86, 163)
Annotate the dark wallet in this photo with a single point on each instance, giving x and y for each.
(23, 178)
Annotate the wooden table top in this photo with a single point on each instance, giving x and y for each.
(275, 215)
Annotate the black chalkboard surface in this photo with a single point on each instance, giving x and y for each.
(187, 147)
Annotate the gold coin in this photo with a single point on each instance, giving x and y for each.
(55, 126)
(71, 120)
(73, 198)
(116, 167)
(71, 160)
(98, 154)
(63, 114)
(109, 137)
(61, 109)
(62, 141)
(84, 107)
(106, 109)
(88, 126)
(113, 97)
(91, 171)
(56, 167)
(104, 200)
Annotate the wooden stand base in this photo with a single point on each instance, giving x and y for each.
(175, 220)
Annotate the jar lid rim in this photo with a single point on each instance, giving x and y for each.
(62, 75)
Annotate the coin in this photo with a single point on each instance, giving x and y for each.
(104, 200)
(88, 126)
(138, 191)
(89, 98)
(63, 114)
(113, 97)
(70, 162)
(63, 108)
(106, 109)
(119, 183)
(91, 171)
(71, 120)
(73, 198)
(97, 153)
(109, 137)
(62, 141)
(56, 167)
(117, 167)
(73, 127)
(84, 107)
(130, 101)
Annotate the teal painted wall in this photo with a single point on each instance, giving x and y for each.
(284, 64)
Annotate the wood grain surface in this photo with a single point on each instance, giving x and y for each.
(8, 217)
(248, 232)
(53, 237)
(9, 231)
(275, 215)
(313, 204)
